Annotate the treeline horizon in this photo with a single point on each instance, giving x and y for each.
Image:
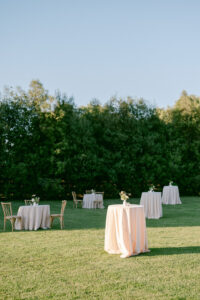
(51, 147)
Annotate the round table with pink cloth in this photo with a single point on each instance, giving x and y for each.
(125, 231)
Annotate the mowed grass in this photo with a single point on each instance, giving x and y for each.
(72, 263)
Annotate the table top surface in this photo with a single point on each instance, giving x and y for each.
(127, 206)
(151, 192)
(32, 206)
(91, 194)
(170, 186)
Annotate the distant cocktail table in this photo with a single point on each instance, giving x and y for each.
(170, 195)
(93, 201)
(152, 204)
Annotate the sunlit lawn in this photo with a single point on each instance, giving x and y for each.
(72, 263)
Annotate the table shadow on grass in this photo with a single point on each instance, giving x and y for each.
(173, 251)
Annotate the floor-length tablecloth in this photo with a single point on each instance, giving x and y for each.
(125, 231)
(152, 204)
(89, 201)
(33, 217)
(170, 195)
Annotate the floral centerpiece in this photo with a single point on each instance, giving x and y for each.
(124, 197)
(35, 200)
(151, 188)
(93, 191)
(171, 183)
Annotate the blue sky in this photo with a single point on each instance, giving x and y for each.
(102, 48)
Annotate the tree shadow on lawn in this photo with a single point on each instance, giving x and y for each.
(172, 251)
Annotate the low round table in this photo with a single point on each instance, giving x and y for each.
(152, 204)
(170, 195)
(89, 201)
(33, 217)
(125, 231)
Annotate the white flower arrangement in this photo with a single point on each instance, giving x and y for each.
(123, 196)
(151, 188)
(35, 199)
(171, 182)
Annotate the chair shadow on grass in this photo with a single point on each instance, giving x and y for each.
(173, 251)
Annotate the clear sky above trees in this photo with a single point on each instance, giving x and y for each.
(97, 49)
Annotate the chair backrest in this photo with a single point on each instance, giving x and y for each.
(64, 202)
(7, 208)
(28, 202)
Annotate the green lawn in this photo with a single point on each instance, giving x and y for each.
(72, 264)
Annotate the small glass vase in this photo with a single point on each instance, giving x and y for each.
(124, 203)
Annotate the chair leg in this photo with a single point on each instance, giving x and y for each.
(51, 221)
(12, 221)
(61, 222)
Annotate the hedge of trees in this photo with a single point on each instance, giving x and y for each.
(49, 146)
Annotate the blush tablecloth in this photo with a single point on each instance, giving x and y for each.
(125, 231)
(88, 200)
(170, 195)
(33, 217)
(152, 204)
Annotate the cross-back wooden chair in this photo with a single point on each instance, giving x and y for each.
(7, 211)
(76, 201)
(28, 202)
(60, 216)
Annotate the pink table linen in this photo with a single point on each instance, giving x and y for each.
(171, 195)
(152, 204)
(33, 217)
(125, 231)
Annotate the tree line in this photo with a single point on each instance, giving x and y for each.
(50, 147)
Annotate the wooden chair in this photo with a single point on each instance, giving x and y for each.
(7, 211)
(60, 216)
(28, 202)
(76, 201)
